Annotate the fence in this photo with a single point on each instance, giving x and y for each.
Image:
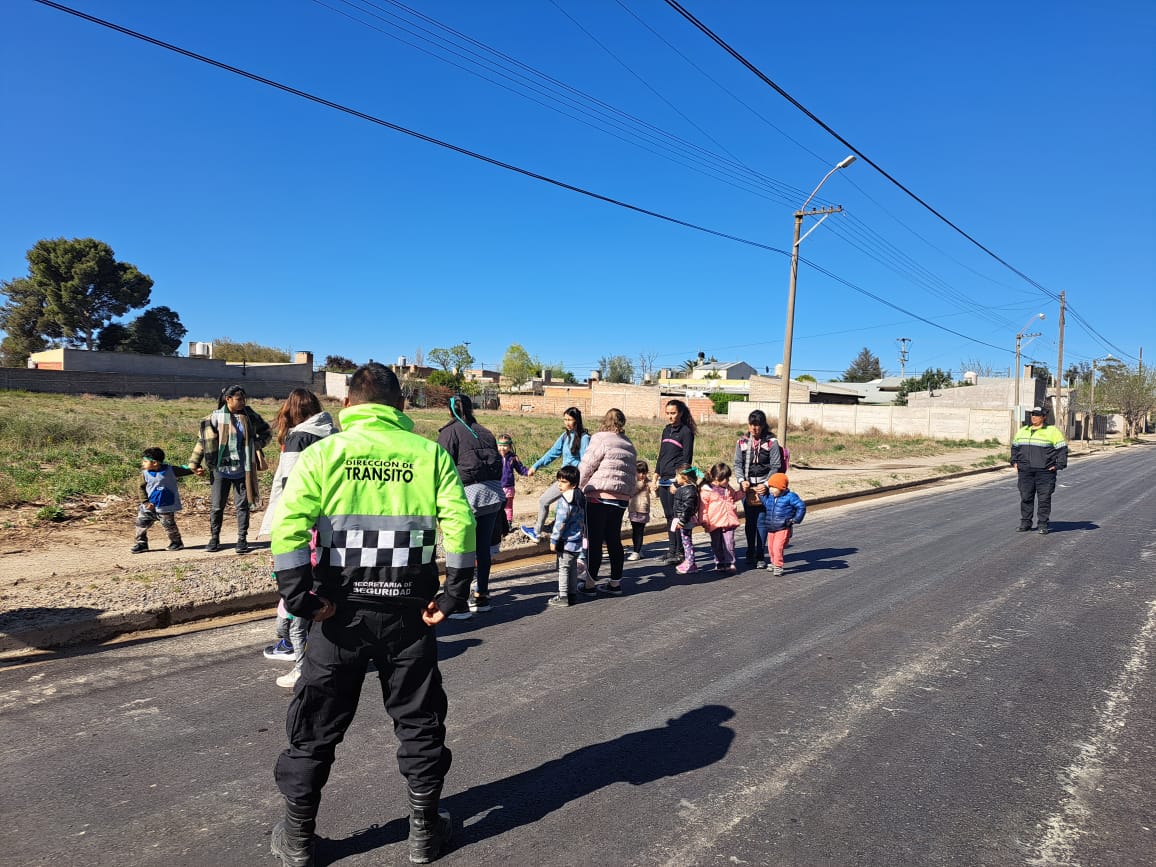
(123, 384)
(946, 423)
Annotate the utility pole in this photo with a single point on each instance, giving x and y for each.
(1060, 371)
(903, 341)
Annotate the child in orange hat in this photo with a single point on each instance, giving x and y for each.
(784, 509)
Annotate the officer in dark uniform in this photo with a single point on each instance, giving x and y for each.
(377, 494)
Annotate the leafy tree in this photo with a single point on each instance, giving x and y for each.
(688, 366)
(23, 320)
(231, 350)
(113, 338)
(806, 377)
(339, 364)
(929, 381)
(443, 378)
(864, 368)
(559, 373)
(453, 360)
(1129, 391)
(157, 331)
(517, 365)
(84, 287)
(616, 368)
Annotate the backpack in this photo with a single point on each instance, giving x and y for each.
(784, 456)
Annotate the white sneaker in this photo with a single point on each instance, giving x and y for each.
(289, 680)
(634, 555)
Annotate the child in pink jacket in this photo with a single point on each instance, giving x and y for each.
(719, 516)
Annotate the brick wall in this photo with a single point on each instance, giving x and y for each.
(118, 384)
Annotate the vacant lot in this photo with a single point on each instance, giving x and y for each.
(61, 456)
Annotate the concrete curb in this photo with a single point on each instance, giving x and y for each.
(15, 646)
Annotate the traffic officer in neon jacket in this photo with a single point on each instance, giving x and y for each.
(377, 494)
(1038, 452)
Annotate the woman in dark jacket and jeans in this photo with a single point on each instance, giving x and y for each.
(475, 453)
(675, 450)
(757, 456)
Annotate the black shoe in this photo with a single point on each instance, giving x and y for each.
(430, 829)
(1043, 529)
(292, 838)
(242, 546)
(214, 545)
(140, 547)
(1022, 529)
(175, 546)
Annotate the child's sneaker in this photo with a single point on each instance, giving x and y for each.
(778, 570)
(140, 547)
(480, 602)
(289, 680)
(634, 555)
(281, 650)
(529, 532)
(686, 568)
(559, 601)
(729, 569)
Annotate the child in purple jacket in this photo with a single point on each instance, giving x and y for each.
(510, 465)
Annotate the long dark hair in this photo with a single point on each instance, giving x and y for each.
(579, 430)
(298, 406)
(462, 409)
(228, 391)
(684, 416)
(758, 417)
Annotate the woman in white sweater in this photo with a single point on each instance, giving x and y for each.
(608, 476)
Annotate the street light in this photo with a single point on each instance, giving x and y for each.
(1017, 413)
(1092, 400)
(788, 335)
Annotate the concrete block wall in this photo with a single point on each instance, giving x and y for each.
(938, 422)
(121, 384)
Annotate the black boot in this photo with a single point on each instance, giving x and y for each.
(292, 839)
(429, 828)
(215, 518)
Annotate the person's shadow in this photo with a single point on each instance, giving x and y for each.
(694, 740)
(809, 559)
(1067, 526)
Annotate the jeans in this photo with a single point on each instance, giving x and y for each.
(220, 493)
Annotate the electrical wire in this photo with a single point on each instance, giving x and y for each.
(491, 160)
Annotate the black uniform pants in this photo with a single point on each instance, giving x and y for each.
(1036, 488)
(325, 700)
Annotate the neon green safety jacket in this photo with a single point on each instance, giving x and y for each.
(1041, 448)
(377, 494)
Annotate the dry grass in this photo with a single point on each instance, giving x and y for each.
(60, 449)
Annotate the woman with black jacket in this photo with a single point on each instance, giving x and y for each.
(475, 453)
(676, 449)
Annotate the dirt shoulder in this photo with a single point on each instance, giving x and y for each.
(55, 575)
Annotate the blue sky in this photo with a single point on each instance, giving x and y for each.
(262, 216)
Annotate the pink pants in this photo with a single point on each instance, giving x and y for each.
(776, 542)
(509, 505)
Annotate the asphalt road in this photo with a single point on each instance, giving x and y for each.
(923, 686)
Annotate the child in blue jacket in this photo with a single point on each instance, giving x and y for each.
(160, 500)
(567, 536)
(784, 509)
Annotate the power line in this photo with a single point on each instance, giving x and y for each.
(489, 160)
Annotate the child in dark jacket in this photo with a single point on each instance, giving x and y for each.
(784, 509)
(566, 538)
(160, 500)
(686, 499)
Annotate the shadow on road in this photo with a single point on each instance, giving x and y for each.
(1067, 526)
(694, 740)
(820, 558)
